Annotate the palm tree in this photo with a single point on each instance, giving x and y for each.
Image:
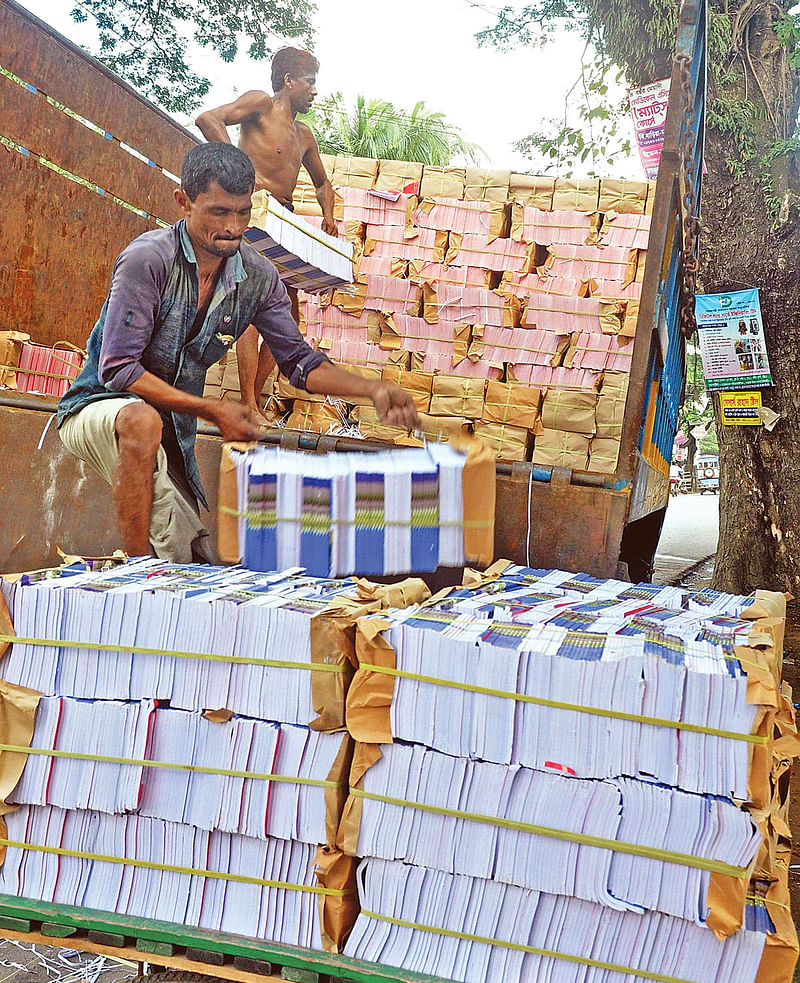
(377, 128)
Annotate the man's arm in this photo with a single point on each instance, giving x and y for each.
(213, 123)
(316, 169)
(394, 405)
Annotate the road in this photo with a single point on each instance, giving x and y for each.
(688, 537)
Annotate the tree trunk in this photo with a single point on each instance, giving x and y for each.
(742, 245)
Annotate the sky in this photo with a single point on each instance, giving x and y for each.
(415, 50)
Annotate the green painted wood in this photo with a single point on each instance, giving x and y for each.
(57, 930)
(248, 965)
(155, 948)
(296, 975)
(210, 956)
(25, 910)
(103, 937)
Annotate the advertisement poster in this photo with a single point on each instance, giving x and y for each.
(741, 409)
(649, 114)
(732, 342)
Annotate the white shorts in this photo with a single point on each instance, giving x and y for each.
(176, 532)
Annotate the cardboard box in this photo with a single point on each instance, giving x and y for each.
(603, 454)
(482, 184)
(354, 172)
(511, 403)
(442, 182)
(573, 412)
(532, 189)
(456, 396)
(399, 175)
(509, 443)
(558, 448)
(576, 194)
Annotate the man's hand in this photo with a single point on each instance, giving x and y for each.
(235, 421)
(329, 226)
(395, 406)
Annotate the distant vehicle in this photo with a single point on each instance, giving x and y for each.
(706, 469)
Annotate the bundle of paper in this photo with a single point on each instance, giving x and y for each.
(570, 411)
(562, 449)
(383, 266)
(362, 354)
(393, 242)
(399, 175)
(486, 218)
(479, 249)
(603, 454)
(589, 350)
(11, 343)
(414, 334)
(616, 264)
(305, 257)
(197, 636)
(533, 190)
(354, 172)
(371, 426)
(318, 416)
(288, 767)
(622, 196)
(377, 209)
(442, 182)
(442, 428)
(457, 396)
(508, 442)
(337, 325)
(474, 367)
(629, 231)
(468, 305)
(610, 413)
(482, 184)
(558, 378)
(390, 512)
(522, 285)
(48, 371)
(391, 294)
(565, 315)
(125, 864)
(471, 930)
(421, 271)
(576, 194)
(524, 346)
(417, 384)
(546, 228)
(511, 403)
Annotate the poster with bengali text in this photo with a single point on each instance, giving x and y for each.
(732, 343)
(649, 113)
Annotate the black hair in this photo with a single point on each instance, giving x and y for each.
(291, 61)
(206, 163)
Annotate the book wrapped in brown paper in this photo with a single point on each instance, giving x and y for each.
(417, 384)
(370, 425)
(576, 194)
(486, 185)
(614, 381)
(399, 175)
(610, 414)
(456, 396)
(316, 417)
(573, 412)
(511, 403)
(354, 172)
(532, 189)
(625, 197)
(11, 343)
(442, 427)
(558, 448)
(442, 182)
(507, 442)
(603, 454)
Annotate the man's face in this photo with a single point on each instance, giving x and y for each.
(303, 91)
(215, 220)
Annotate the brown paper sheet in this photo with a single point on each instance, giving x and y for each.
(354, 172)
(457, 396)
(17, 714)
(6, 625)
(558, 448)
(442, 182)
(442, 427)
(370, 695)
(511, 403)
(364, 757)
(482, 184)
(480, 492)
(509, 443)
(570, 411)
(398, 175)
(624, 197)
(576, 194)
(228, 505)
(412, 590)
(11, 343)
(532, 190)
(604, 454)
(337, 915)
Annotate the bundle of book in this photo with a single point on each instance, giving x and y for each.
(43, 370)
(543, 774)
(505, 304)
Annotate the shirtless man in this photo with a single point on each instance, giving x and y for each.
(277, 144)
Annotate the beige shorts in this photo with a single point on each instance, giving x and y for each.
(176, 532)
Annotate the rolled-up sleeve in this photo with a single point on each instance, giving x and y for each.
(274, 322)
(131, 310)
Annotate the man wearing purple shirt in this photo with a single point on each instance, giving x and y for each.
(179, 298)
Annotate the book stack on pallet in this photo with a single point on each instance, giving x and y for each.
(506, 304)
(537, 775)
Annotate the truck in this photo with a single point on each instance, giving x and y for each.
(89, 164)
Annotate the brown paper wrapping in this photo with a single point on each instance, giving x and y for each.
(558, 448)
(624, 197)
(508, 443)
(412, 590)
(337, 915)
(442, 182)
(486, 185)
(417, 384)
(364, 757)
(228, 505)
(370, 425)
(457, 396)
(352, 300)
(511, 403)
(631, 317)
(576, 194)
(636, 267)
(316, 417)
(442, 427)
(615, 381)
(610, 414)
(480, 492)
(370, 695)
(17, 714)
(284, 390)
(355, 172)
(304, 200)
(570, 411)
(332, 643)
(533, 190)
(476, 276)
(603, 454)
(6, 625)
(399, 175)
(779, 957)
(11, 343)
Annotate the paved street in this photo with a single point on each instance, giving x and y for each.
(689, 535)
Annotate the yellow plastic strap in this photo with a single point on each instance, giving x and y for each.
(519, 947)
(205, 656)
(174, 869)
(601, 842)
(148, 763)
(559, 705)
(252, 514)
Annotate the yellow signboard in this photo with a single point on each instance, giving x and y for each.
(740, 409)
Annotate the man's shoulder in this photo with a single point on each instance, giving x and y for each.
(156, 247)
